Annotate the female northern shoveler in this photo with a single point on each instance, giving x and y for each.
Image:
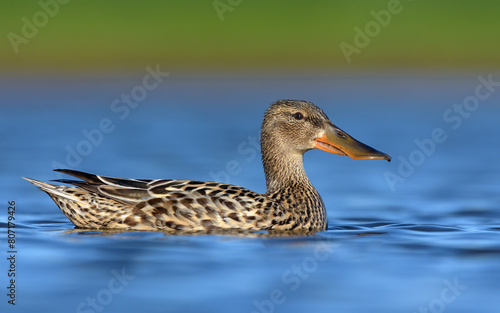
(290, 128)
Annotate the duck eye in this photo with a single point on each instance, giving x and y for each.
(340, 134)
(298, 116)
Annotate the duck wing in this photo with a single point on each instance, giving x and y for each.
(168, 205)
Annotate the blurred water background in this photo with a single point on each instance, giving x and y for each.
(178, 89)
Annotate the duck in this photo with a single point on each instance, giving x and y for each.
(291, 203)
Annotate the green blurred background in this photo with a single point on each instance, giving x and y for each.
(246, 34)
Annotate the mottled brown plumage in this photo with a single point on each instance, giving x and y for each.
(290, 128)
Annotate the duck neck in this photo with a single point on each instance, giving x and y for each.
(283, 169)
(287, 183)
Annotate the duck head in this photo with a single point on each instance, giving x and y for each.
(295, 126)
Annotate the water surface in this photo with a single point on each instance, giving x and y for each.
(427, 239)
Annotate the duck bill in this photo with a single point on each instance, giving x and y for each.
(337, 141)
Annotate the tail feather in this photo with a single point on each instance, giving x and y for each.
(52, 189)
(90, 210)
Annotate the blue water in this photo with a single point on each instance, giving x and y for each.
(426, 239)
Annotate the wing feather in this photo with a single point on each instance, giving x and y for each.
(175, 204)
